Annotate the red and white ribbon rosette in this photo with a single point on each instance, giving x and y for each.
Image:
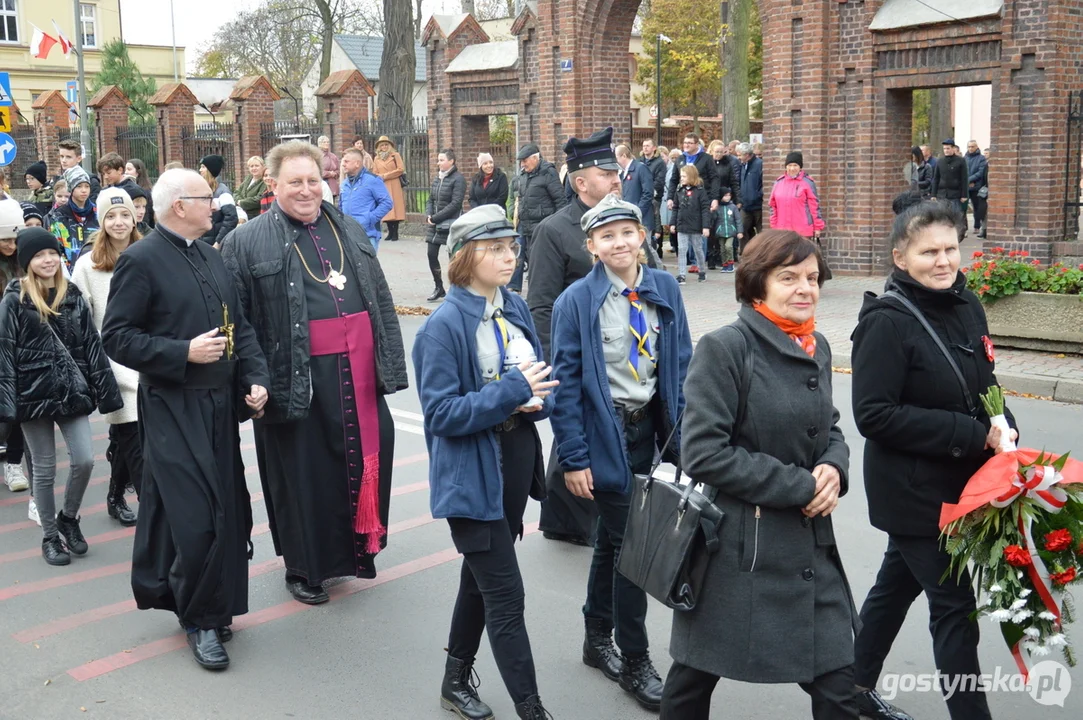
(1000, 482)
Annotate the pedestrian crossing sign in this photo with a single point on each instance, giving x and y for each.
(5, 90)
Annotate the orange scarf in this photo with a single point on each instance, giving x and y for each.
(800, 332)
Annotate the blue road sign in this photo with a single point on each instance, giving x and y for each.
(5, 89)
(72, 92)
(8, 148)
(566, 65)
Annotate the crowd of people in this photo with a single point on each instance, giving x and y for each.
(178, 314)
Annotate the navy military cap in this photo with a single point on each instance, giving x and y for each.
(595, 151)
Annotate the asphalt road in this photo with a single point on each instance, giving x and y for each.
(72, 644)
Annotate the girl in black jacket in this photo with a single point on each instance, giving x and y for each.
(53, 371)
(445, 204)
(926, 435)
(692, 211)
(490, 185)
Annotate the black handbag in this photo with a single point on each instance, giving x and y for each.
(673, 530)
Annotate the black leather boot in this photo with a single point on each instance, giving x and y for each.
(531, 709)
(639, 678)
(117, 506)
(874, 707)
(439, 291)
(458, 691)
(599, 651)
(73, 536)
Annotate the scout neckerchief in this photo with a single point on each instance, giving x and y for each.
(638, 324)
(226, 328)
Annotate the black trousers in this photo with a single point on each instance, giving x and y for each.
(687, 694)
(434, 258)
(981, 209)
(491, 594)
(611, 597)
(752, 220)
(16, 446)
(125, 455)
(911, 566)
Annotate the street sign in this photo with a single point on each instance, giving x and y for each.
(5, 89)
(566, 65)
(5, 119)
(71, 89)
(654, 112)
(7, 149)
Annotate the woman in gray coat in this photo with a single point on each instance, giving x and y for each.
(761, 431)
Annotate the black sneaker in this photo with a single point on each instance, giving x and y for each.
(73, 536)
(54, 552)
(680, 279)
(703, 277)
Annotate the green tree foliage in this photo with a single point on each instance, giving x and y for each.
(119, 69)
(691, 64)
(919, 134)
(755, 60)
(501, 130)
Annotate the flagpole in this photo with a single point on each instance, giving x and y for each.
(84, 131)
(173, 25)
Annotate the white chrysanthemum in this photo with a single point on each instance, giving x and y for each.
(1019, 604)
(1046, 615)
(1056, 640)
(995, 588)
(1019, 574)
(1039, 650)
(1033, 632)
(1020, 617)
(1024, 592)
(1000, 615)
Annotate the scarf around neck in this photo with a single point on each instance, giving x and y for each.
(802, 333)
(81, 213)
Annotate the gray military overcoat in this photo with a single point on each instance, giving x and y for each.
(775, 606)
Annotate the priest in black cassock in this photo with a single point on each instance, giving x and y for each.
(309, 280)
(174, 316)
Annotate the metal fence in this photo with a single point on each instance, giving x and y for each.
(26, 153)
(273, 133)
(411, 139)
(140, 141)
(1073, 169)
(209, 139)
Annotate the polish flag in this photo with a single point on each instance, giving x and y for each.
(41, 44)
(65, 44)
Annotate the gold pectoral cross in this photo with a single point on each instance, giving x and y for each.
(227, 331)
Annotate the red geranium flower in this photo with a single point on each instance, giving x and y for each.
(1063, 578)
(1017, 556)
(1063, 270)
(978, 254)
(1024, 253)
(992, 266)
(1058, 540)
(988, 274)
(1081, 266)
(1013, 253)
(985, 288)
(1035, 262)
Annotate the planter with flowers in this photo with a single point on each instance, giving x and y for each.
(1028, 305)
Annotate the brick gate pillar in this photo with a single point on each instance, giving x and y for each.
(344, 100)
(50, 117)
(174, 106)
(110, 106)
(444, 38)
(254, 102)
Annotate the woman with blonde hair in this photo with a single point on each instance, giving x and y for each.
(92, 275)
(388, 166)
(53, 372)
(249, 193)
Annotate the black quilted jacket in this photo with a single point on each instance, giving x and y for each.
(39, 377)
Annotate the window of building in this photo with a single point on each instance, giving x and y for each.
(9, 22)
(88, 21)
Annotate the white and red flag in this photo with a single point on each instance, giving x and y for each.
(65, 44)
(41, 44)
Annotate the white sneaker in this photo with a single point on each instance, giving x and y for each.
(32, 512)
(15, 478)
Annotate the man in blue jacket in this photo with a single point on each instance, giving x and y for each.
(637, 185)
(750, 199)
(977, 168)
(364, 196)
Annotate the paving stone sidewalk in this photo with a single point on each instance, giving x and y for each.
(712, 304)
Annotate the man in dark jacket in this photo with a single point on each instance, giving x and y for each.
(723, 170)
(750, 198)
(977, 168)
(694, 154)
(950, 177)
(735, 165)
(637, 185)
(308, 278)
(540, 195)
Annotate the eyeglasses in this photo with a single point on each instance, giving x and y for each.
(207, 198)
(498, 250)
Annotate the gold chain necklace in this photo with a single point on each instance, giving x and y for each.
(335, 277)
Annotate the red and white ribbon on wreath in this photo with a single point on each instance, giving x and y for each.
(1039, 484)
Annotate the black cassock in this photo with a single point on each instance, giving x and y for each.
(311, 469)
(195, 515)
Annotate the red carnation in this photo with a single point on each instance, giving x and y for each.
(978, 254)
(1058, 540)
(1017, 556)
(1063, 578)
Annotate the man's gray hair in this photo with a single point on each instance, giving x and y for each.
(745, 148)
(484, 158)
(170, 188)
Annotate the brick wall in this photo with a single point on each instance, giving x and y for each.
(110, 113)
(50, 117)
(175, 113)
(254, 98)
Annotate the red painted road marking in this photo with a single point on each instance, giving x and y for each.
(83, 512)
(87, 617)
(97, 668)
(57, 582)
(92, 541)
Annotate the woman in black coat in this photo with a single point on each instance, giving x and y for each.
(926, 435)
(490, 184)
(921, 174)
(444, 205)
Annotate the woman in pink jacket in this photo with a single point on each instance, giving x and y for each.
(795, 205)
